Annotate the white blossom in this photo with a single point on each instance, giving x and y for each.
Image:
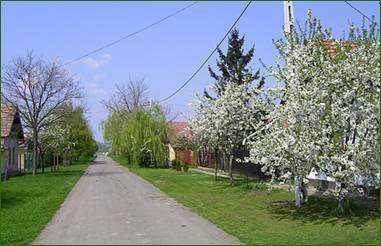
(330, 118)
(226, 121)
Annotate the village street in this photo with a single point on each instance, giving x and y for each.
(190, 123)
(110, 205)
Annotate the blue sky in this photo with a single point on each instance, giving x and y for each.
(165, 55)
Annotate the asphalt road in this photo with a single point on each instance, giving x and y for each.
(110, 205)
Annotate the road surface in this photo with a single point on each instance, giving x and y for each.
(110, 205)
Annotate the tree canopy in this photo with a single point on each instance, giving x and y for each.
(330, 119)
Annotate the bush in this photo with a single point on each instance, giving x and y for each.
(185, 167)
(176, 165)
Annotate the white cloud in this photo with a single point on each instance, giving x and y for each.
(94, 85)
(95, 90)
(94, 63)
(97, 77)
(106, 56)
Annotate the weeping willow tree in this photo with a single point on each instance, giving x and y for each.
(139, 135)
(112, 129)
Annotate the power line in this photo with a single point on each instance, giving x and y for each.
(210, 55)
(129, 35)
(359, 11)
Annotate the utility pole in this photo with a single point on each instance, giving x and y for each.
(288, 16)
(300, 189)
(288, 10)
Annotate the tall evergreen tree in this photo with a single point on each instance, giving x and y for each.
(233, 66)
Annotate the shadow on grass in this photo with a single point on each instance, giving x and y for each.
(239, 183)
(12, 199)
(48, 173)
(320, 210)
(19, 189)
(68, 173)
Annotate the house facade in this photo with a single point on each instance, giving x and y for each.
(203, 157)
(11, 135)
(180, 133)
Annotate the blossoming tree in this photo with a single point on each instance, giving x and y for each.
(329, 120)
(225, 121)
(56, 140)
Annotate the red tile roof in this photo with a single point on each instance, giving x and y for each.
(331, 46)
(181, 128)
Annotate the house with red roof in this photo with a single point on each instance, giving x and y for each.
(179, 147)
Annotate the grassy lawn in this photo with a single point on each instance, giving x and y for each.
(29, 202)
(258, 217)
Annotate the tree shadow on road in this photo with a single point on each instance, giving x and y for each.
(98, 162)
(98, 174)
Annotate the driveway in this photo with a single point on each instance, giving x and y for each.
(110, 205)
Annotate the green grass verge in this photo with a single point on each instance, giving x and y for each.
(258, 217)
(29, 202)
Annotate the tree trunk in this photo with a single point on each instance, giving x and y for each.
(342, 200)
(225, 164)
(35, 153)
(298, 192)
(54, 162)
(42, 162)
(341, 205)
(215, 170)
(66, 162)
(215, 167)
(51, 166)
(304, 192)
(6, 172)
(231, 170)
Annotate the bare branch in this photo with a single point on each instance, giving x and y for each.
(127, 97)
(38, 89)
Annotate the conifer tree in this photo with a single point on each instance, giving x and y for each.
(233, 66)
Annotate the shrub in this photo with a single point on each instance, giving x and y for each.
(185, 167)
(173, 164)
(176, 165)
